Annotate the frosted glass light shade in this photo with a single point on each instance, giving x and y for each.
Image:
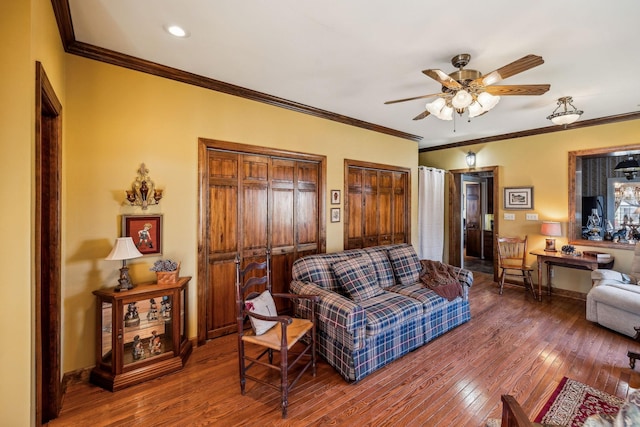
(565, 119)
(488, 101)
(475, 109)
(435, 107)
(462, 99)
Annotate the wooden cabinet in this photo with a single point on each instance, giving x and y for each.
(141, 333)
(376, 205)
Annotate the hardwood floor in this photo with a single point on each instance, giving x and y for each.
(512, 345)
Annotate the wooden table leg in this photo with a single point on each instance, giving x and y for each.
(539, 280)
(549, 274)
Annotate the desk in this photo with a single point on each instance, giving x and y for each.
(569, 261)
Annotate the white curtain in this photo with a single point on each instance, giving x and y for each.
(430, 213)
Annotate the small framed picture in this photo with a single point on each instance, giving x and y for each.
(335, 197)
(518, 198)
(146, 232)
(335, 214)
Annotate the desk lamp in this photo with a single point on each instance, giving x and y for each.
(550, 229)
(124, 249)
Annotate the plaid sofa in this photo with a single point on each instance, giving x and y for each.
(362, 328)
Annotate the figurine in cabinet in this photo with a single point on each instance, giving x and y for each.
(137, 350)
(155, 343)
(152, 314)
(165, 308)
(132, 318)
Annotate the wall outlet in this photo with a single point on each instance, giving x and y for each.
(510, 217)
(531, 217)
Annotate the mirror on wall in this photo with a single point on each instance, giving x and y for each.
(604, 201)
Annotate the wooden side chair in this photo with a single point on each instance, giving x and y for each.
(512, 258)
(271, 332)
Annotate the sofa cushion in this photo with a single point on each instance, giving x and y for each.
(262, 304)
(358, 278)
(406, 264)
(382, 266)
(388, 311)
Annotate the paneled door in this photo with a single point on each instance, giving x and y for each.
(253, 200)
(376, 205)
(473, 220)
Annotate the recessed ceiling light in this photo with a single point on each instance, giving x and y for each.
(176, 31)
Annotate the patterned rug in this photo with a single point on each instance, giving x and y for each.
(572, 402)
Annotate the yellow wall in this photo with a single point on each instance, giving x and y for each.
(117, 119)
(541, 161)
(29, 34)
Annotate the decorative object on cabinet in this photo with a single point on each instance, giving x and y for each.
(550, 229)
(518, 198)
(167, 271)
(143, 190)
(127, 353)
(335, 214)
(335, 197)
(146, 232)
(123, 250)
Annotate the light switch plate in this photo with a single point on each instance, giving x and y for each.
(509, 216)
(532, 217)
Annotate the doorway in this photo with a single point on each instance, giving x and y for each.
(47, 248)
(472, 230)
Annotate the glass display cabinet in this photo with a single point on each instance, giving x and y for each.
(141, 333)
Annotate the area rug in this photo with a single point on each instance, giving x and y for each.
(573, 402)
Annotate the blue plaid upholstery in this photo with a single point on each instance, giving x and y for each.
(357, 278)
(405, 263)
(356, 338)
(382, 265)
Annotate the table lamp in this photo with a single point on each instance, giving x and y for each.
(124, 249)
(551, 229)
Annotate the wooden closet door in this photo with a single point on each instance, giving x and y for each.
(222, 241)
(376, 205)
(257, 202)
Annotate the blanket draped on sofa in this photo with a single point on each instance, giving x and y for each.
(441, 278)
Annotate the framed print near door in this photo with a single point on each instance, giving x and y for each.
(518, 198)
(146, 232)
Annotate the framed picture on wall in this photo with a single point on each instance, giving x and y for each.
(146, 232)
(335, 214)
(518, 198)
(335, 197)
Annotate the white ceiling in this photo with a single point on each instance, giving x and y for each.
(350, 56)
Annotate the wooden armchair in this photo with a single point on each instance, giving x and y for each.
(281, 336)
(512, 258)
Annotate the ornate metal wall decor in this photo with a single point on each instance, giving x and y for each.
(143, 190)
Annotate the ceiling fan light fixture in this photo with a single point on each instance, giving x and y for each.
(446, 113)
(434, 107)
(488, 101)
(462, 99)
(566, 116)
(475, 109)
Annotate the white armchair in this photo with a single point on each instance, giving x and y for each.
(614, 299)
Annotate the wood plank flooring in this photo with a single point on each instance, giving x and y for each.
(512, 345)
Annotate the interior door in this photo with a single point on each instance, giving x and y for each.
(473, 220)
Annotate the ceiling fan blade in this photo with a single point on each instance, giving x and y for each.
(517, 90)
(422, 115)
(444, 79)
(412, 98)
(523, 64)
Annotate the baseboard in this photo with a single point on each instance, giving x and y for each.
(557, 292)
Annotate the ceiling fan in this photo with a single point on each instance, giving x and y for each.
(470, 90)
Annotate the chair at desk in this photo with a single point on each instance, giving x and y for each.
(512, 258)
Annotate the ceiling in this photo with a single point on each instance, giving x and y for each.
(349, 57)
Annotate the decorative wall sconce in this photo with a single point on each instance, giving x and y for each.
(143, 191)
(471, 159)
